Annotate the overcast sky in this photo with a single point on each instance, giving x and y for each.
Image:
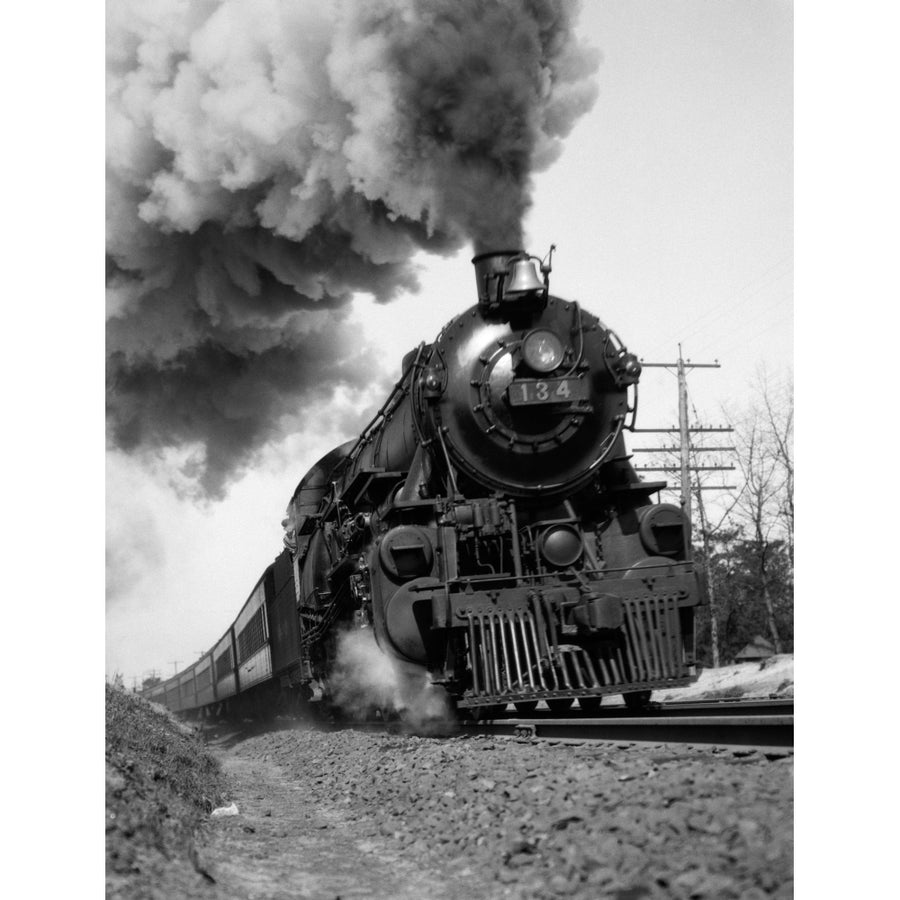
(671, 210)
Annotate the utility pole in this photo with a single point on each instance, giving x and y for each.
(175, 664)
(684, 431)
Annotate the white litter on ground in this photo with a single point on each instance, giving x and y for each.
(225, 811)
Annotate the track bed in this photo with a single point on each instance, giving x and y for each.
(355, 814)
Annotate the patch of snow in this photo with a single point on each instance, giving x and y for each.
(772, 677)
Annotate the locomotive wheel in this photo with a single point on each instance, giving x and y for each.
(590, 704)
(561, 704)
(526, 706)
(637, 700)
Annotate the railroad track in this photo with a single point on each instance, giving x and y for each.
(762, 724)
(767, 724)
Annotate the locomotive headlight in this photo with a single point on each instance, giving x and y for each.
(542, 350)
(561, 545)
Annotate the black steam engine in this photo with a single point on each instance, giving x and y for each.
(487, 525)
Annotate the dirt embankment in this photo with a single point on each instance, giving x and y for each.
(161, 784)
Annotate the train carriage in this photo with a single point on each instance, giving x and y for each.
(156, 694)
(186, 691)
(223, 667)
(203, 681)
(172, 696)
(251, 629)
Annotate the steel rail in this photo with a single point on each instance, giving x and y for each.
(762, 723)
(741, 731)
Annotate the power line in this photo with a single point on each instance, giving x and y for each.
(726, 306)
(747, 335)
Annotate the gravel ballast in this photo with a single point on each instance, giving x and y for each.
(472, 817)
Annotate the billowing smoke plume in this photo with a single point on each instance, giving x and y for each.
(365, 679)
(269, 158)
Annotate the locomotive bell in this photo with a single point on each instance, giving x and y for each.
(524, 279)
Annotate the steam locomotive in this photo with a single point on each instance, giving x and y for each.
(487, 526)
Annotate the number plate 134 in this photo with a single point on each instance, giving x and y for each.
(535, 391)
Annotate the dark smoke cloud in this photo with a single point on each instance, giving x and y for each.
(269, 158)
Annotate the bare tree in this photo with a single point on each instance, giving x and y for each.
(711, 522)
(778, 405)
(765, 505)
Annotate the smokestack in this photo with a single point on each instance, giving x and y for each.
(267, 159)
(490, 270)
